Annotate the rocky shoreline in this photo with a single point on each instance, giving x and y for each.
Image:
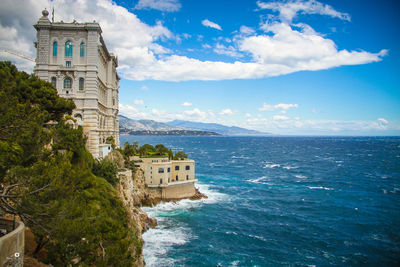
(134, 194)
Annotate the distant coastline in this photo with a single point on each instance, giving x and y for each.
(168, 133)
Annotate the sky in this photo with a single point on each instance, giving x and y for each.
(297, 67)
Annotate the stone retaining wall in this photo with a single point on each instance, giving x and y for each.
(12, 244)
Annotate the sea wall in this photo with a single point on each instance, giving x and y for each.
(174, 192)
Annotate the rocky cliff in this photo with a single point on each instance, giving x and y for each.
(134, 194)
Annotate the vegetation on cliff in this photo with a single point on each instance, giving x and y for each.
(53, 183)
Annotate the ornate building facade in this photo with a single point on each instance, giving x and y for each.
(74, 57)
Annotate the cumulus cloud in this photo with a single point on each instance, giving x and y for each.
(227, 50)
(290, 9)
(211, 24)
(162, 5)
(187, 104)
(282, 49)
(281, 106)
(138, 102)
(227, 112)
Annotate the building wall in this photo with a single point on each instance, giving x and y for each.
(182, 174)
(97, 103)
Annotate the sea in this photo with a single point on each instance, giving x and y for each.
(282, 201)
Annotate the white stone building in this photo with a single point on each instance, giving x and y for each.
(74, 57)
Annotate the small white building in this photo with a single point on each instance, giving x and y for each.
(173, 178)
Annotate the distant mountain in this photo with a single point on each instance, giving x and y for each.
(179, 127)
(144, 125)
(215, 127)
(129, 126)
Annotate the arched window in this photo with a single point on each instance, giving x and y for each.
(81, 83)
(67, 83)
(82, 49)
(54, 81)
(55, 47)
(68, 49)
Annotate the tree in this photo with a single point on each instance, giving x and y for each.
(106, 169)
(72, 213)
(129, 150)
(161, 149)
(26, 105)
(146, 150)
(180, 155)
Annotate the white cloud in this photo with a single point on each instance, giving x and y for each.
(187, 104)
(227, 112)
(247, 30)
(248, 115)
(279, 123)
(162, 5)
(383, 121)
(211, 24)
(138, 102)
(206, 46)
(279, 118)
(281, 50)
(290, 9)
(144, 88)
(229, 51)
(283, 107)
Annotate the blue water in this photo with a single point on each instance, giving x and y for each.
(282, 201)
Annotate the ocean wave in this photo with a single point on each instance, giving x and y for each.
(271, 166)
(319, 187)
(300, 176)
(260, 180)
(159, 240)
(167, 234)
(289, 167)
(239, 157)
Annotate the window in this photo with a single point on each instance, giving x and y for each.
(67, 83)
(187, 177)
(176, 168)
(161, 181)
(81, 83)
(82, 49)
(187, 167)
(54, 81)
(113, 101)
(68, 64)
(160, 170)
(176, 178)
(55, 47)
(169, 169)
(68, 48)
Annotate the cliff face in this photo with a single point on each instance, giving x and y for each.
(131, 191)
(134, 194)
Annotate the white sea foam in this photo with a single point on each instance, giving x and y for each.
(271, 166)
(258, 237)
(300, 176)
(260, 180)
(168, 233)
(239, 157)
(289, 167)
(159, 241)
(319, 187)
